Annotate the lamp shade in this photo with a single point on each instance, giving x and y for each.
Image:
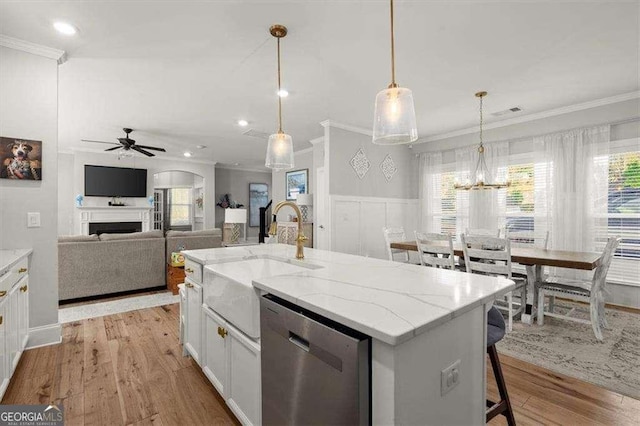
(304, 200)
(394, 120)
(235, 215)
(279, 152)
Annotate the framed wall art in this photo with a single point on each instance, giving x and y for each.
(297, 182)
(20, 159)
(258, 197)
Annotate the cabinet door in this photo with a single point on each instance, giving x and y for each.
(194, 318)
(23, 313)
(12, 327)
(244, 389)
(4, 355)
(214, 350)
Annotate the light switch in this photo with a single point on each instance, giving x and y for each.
(33, 220)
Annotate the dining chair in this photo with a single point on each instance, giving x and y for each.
(526, 239)
(591, 292)
(483, 232)
(435, 250)
(492, 256)
(395, 235)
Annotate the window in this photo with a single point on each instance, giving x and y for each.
(180, 206)
(520, 197)
(623, 215)
(448, 193)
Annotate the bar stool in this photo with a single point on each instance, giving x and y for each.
(495, 332)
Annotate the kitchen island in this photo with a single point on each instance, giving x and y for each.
(422, 322)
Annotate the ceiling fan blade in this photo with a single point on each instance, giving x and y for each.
(88, 140)
(152, 148)
(114, 148)
(142, 151)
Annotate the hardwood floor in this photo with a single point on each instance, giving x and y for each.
(128, 369)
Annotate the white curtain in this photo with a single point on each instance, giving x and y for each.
(430, 166)
(482, 209)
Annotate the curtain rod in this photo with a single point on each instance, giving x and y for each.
(522, 138)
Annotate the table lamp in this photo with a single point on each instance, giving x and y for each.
(236, 217)
(304, 201)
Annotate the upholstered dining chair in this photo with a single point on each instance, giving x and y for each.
(591, 292)
(395, 235)
(435, 250)
(492, 256)
(495, 333)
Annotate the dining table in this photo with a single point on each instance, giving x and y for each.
(534, 259)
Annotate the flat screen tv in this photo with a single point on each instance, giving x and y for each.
(102, 181)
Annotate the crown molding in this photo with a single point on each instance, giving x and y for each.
(303, 151)
(535, 116)
(243, 169)
(36, 49)
(74, 150)
(317, 140)
(347, 127)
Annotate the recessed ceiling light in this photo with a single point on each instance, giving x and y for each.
(201, 146)
(283, 93)
(187, 154)
(65, 28)
(243, 123)
(236, 164)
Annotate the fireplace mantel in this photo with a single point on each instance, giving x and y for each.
(89, 214)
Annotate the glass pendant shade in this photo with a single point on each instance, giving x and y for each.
(394, 119)
(279, 152)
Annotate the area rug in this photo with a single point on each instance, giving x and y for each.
(571, 348)
(77, 313)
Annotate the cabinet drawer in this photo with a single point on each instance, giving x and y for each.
(14, 274)
(193, 270)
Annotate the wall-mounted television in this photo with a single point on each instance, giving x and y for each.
(103, 181)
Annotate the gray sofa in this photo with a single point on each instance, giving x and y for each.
(113, 263)
(192, 240)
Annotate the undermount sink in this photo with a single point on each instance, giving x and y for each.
(228, 290)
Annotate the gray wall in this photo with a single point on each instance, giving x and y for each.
(29, 110)
(302, 160)
(236, 182)
(344, 144)
(73, 171)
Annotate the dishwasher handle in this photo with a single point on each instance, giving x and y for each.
(299, 341)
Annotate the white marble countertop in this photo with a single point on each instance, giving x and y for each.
(389, 301)
(8, 258)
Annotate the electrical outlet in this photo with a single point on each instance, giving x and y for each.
(450, 377)
(33, 220)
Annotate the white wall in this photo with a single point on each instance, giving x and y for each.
(236, 182)
(29, 110)
(75, 174)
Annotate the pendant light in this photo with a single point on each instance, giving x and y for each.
(280, 146)
(481, 173)
(394, 120)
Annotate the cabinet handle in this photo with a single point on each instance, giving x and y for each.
(188, 270)
(3, 293)
(1, 319)
(222, 332)
(23, 288)
(188, 285)
(22, 270)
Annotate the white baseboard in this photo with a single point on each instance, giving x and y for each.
(45, 335)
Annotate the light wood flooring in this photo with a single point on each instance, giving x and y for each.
(128, 369)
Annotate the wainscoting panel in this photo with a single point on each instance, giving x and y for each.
(358, 222)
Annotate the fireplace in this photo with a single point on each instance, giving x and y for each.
(114, 227)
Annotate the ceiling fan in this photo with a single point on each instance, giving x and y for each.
(127, 144)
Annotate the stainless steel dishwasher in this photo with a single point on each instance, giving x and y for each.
(314, 370)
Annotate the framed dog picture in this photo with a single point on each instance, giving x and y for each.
(20, 159)
(297, 182)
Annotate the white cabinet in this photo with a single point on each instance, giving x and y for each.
(193, 329)
(231, 361)
(23, 313)
(4, 357)
(214, 352)
(244, 387)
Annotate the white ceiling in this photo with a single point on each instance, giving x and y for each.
(181, 73)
